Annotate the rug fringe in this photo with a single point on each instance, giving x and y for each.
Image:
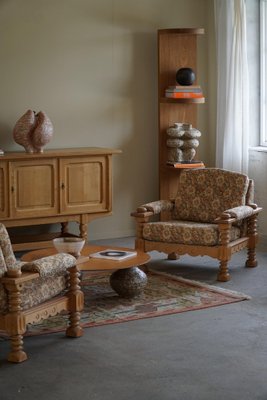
(232, 293)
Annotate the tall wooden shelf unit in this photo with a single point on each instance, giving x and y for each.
(177, 48)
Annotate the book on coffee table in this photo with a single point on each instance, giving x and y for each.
(111, 254)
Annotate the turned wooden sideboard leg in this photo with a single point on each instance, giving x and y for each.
(76, 302)
(83, 231)
(64, 228)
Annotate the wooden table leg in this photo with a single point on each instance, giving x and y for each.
(76, 302)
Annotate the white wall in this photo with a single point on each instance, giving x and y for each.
(258, 172)
(91, 65)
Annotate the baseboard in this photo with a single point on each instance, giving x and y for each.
(110, 235)
(262, 245)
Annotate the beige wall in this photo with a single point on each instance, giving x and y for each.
(91, 65)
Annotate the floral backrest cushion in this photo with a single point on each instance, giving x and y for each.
(250, 193)
(6, 247)
(205, 193)
(3, 268)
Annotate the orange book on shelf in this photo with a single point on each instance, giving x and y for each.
(183, 87)
(184, 95)
(198, 164)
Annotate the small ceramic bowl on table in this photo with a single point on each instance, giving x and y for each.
(70, 245)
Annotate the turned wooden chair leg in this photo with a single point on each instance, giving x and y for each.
(173, 256)
(223, 274)
(15, 324)
(251, 258)
(76, 301)
(17, 354)
(251, 249)
(225, 254)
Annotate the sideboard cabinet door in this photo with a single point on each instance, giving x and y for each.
(85, 184)
(34, 188)
(3, 190)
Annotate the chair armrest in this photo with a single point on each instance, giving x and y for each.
(14, 276)
(17, 277)
(51, 266)
(14, 270)
(243, 212)
(154, 208)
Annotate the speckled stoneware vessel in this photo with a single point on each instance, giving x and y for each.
(33, 131)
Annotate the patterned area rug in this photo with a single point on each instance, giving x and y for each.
(164, 294)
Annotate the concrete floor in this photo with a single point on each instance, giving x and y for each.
(217, 353)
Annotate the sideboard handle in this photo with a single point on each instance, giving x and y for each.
(62, 186)
(12, 189)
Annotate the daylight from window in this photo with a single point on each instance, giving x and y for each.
(263, 50)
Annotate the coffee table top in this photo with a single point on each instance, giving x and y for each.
(85, 263)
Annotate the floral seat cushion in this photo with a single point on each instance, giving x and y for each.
(186, 232)
(35, 292)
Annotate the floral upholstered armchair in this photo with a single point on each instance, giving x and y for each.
(213, 214)
(30, 292)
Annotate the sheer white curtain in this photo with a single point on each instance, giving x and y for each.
(233, 86)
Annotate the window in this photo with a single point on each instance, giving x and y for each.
(263, 73)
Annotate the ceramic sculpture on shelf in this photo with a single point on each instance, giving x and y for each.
(182, 142)
(33, 131)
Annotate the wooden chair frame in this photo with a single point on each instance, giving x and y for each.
(223, 251)
(15, 321)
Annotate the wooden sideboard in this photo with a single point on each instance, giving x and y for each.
(57, 186)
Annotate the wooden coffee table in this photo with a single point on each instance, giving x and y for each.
(126, 279)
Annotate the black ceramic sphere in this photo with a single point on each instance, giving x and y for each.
(185, 76)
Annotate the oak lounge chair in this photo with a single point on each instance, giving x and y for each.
(212, 215)
(30, 292)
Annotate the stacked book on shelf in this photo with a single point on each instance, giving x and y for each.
(184, 92)
(186, 164)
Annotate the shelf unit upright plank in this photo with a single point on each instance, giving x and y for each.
(177, 48)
